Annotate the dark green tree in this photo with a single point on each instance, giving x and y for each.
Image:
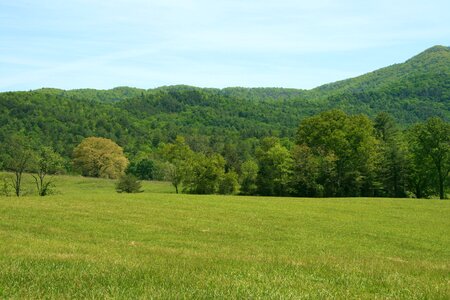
(431, 142)
(144, 169)
(393, 164)
(248, 178)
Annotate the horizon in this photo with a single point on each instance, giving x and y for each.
(202, 87)
(145, 44)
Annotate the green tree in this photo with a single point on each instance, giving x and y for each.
(99, 157)
(178, 157)
(17, 157)
(431, 141)
(275, 168)
(351, 146)
(173, 172)
(47, 162)
(313, 173)
(393, 164)
(143, 169)
(420, 173)
(229, 183)
(204, 174)
(248, 178)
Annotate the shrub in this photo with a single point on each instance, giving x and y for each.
(128, 184)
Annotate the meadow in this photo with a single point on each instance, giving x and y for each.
(87, 241)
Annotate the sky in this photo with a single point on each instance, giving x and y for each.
(251, 43)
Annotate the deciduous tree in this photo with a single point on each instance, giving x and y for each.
(99, 157)
(47, 162)
(431, 141)
(18, 157)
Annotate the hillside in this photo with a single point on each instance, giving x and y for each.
(411, 91)
(142, 119)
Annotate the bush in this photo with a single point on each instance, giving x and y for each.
(5, 186)
(128, 184)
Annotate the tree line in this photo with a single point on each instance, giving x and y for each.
(333, 154)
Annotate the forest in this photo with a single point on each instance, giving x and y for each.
(383, 134)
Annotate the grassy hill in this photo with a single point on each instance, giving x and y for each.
(142, 119)
(90, 242)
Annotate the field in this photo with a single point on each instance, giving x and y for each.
(89, 242)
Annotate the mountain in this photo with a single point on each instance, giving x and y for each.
(141, 119)
(411, 91)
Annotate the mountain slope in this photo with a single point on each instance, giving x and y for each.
(142, 119)
(411, 91)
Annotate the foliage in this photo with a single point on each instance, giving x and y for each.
(222, 120)
(173, 172)
(348, 143)
(99, 157)
(178, 156)
(431, 143)
(394, 165)
(229, 183)
(144, 169)
(128, 183)
(338, 150)
(47, 162)
(248, 178)
(5, 185)
(275, 163)
(18, 157)
(204, 174)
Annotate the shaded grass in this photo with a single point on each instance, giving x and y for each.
(94, 243)
(74, 185)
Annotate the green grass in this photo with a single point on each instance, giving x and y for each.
(76, 185)
(90, 242)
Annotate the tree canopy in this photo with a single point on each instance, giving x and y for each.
(99, 157)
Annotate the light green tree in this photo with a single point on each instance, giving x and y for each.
(18, 157)
(100, 157)
(179, 158)
(47, 162)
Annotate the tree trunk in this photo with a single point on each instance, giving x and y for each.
(441, 183)
(441, 188)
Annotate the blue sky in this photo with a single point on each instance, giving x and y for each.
(144, 43)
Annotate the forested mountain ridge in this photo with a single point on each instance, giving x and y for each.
(140, 119)
(411, 91)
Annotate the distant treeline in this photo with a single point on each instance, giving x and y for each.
(333, 154)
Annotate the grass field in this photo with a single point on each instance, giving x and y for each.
(90, 242)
